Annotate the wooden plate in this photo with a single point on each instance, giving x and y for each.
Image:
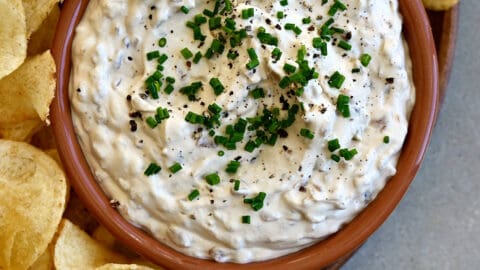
(444, 27)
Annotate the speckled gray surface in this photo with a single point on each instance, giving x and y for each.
(437, 224)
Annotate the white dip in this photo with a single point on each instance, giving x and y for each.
(308, 194)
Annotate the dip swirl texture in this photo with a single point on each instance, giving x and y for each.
(310, 190)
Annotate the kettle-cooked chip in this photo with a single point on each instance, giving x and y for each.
(75, 249)
(36, 12)
(439, 4)
(27, 93)
(112, 266)
(33, 193)
(41, 40)
(13, 37)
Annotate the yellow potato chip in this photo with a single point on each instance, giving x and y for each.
(20, 131)
(13, 37)
(102, 235)
(36, 12)
(44, 262)
(112, 266)
(439, 4)
(41, 40)
(33, 193)
(26, 94)
(74, 249)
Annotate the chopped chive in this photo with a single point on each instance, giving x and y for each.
(307, 133)
(186, 53)
(175, 168)
(250, 146)
(213, 179)
(343, 105)
(153, 55)
(217, 86)
(276, 54)
(197, 57)
(306, 20)
(335, 7)
(152, 169)
(283, 2)
(215, 23)
(170, 80)
(185, 9)
(193, 195)
(344, 45)
(257, 93)
(151, 122)
(284, 82)
(221, 153)
(162, 59)
(236, 185)
(333, 145)
(365, 59)
(253, 59)
(386, 139)
(289, 68)
(348, 154)
(317, 42)
(335, 158)
(194, 118)
(355, 70)
(246, 219)
(162, 42)
(336, 80)
(248, 13)
(257, 202)
(232, 167)
(199, 19)
(280, 15)
(168, 89)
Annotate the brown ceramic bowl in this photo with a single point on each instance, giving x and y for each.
(419, 37)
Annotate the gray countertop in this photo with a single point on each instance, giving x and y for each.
(437, 224)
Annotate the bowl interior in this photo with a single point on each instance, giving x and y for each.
(418, 34)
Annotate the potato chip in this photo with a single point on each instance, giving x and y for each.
(26, 94)
(42, 39)
(20, 131)
(13, 37)
(439, 4)
(33, 193)
(36, 12)
(75, 249)
(112, 266)
(103, 236)
(44, 262)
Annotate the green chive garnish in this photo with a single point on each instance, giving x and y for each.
(365, 59)
(185, 9)
(236, 185)
(306, 133)
(221, 153)
(348, 154)
(152, 169)
(151, 122)
(336, 80)
(386, 139)
(283, 2)
(246, 219)
(162, 42)
(232, 167)
(213, 179)
(289, 68)
(280, 15)
(186, 53)
(175, 168)
(248, 13)
(257, 93)
(152, 55)
(193, 195)
(343, 105)
(333, 145)
(344, 45)
(335, 158)
(217, 86)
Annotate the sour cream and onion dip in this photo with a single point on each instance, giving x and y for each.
(241, 131)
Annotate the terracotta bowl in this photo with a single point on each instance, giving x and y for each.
(418, 34)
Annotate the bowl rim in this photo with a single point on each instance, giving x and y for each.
(418, 33)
